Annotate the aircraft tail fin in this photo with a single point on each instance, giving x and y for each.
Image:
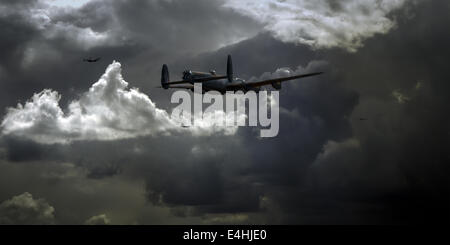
(230, 69)
(165, 77)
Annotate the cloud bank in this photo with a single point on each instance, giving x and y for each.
(24, 209)
(324, 23)
(42, 18)
(101, 219)
(108, 111)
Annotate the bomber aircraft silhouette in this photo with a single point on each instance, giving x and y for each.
(212, 82)
(90, 60)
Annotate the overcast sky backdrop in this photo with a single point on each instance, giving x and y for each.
(92, 143)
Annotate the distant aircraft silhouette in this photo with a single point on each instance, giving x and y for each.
(91, 60)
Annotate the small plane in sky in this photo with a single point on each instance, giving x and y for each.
(212, 82)
(91, 60)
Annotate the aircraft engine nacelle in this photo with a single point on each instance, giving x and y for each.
(256, 90)
(276, 85)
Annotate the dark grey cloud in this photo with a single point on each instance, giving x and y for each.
(100, 219)
(43, 47)
(323, 23)
(25, 210)
(326, 166)
(380, 165)
(395, 161)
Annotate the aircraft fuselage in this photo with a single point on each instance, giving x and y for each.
(223, 85)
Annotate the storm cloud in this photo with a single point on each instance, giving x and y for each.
(24, 209)
(322, 24)
(365, 143)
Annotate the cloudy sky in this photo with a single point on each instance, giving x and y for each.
(93, 143)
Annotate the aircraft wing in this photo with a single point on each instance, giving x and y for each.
(198, 80)
(180, 87)
(272, 81)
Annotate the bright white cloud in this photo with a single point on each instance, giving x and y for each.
(108, 111)
(321, 23)
(67, 3)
